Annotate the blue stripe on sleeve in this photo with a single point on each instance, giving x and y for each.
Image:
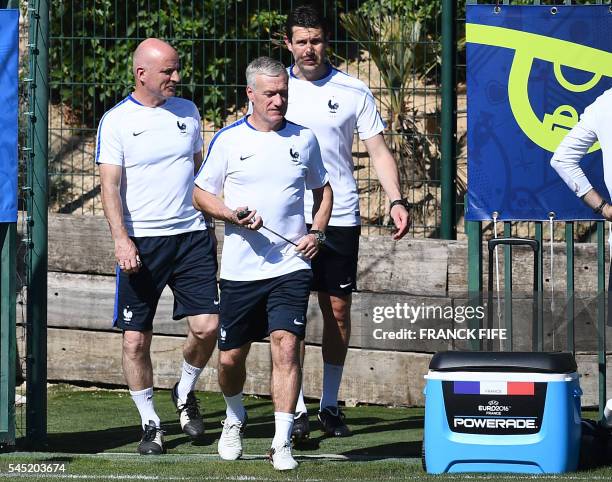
(212, 142)
(99, 137)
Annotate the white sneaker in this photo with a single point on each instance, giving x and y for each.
(230, 443)
(281, 457)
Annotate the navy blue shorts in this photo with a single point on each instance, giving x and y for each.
(186, 262)
(334, 268)
(251, 310)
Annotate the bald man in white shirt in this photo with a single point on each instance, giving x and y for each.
(148, 148)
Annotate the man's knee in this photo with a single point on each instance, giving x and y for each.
(204, 327)
(285, 348)
(341, 309)
(136, 344)
(231, 359)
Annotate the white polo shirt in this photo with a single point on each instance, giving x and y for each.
(594, 125)
(267, 171)
(333, 107)
(155, 147)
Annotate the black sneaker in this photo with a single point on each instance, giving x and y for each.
(189, 414)
(301, 428)
(332, 420)
(152, 442)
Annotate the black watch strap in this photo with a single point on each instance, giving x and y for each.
(401, 202)
(599, 208)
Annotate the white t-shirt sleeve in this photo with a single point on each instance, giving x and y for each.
(316, 175)
(109, 149)
(567, 156)
(198, 142)
(211, 176)
(369, 122)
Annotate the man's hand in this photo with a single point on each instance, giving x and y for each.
(127, 256)
(242, 216)
(308, 246)
(401, 219)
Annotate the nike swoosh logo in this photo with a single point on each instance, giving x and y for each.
(296, 322)
(346, 285)
(137, 133)
(242, 158)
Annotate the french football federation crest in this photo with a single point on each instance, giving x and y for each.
(295, 155)
(333, 106)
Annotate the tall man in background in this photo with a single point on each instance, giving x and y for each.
(334, 104)
(148, 148)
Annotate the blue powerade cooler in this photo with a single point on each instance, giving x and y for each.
(502, 412)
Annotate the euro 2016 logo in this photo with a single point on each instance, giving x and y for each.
(549, 129)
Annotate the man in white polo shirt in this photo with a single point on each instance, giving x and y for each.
(593, 126)
(262, 164)
(148, 148)
(334, 105)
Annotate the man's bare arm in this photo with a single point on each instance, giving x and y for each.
(197, 162)
(212, 205)
(386, 170)
(126, 253)
(323, 198)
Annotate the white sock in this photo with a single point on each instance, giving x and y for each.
(283, 423)
(300, 406)
(235, 409)
(144, 403)
(332, 376)
(189, 377)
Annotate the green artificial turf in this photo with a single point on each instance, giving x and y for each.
(95, 433)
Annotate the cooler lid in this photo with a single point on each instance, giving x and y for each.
(538, 362)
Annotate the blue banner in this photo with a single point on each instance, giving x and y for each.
(9, 53)
(531, 71)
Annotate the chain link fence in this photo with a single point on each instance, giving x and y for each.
(393, 46)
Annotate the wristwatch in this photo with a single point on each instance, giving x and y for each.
(319, 236)
(599, 209)
(401, 202)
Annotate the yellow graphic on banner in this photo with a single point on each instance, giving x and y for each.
(550, 131)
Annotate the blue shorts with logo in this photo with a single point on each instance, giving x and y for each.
(185, 262)
(335, 266)
(251, 310)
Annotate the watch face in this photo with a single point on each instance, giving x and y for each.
(320, 235)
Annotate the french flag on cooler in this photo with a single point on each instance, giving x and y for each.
(493, 388)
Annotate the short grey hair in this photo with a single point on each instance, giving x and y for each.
(265, 66)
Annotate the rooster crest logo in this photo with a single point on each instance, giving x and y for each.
(333, 106)
(295, 155)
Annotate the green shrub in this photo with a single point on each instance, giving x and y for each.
(92, 42)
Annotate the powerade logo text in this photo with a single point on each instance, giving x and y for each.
(495, 423)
